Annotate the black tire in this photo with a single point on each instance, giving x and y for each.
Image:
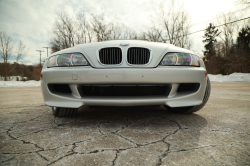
(192, 109)
(64, 112)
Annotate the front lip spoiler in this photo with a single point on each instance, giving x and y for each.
(172, 102)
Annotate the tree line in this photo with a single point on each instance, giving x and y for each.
(227, 47)
(26, 72)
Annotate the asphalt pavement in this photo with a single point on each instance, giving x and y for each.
(219, 134)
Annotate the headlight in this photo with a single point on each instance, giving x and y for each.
(182, 59)
(75, 59)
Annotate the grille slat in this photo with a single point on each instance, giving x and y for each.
(138, 56)
(110, 56)
(136, 53)
(144, 58)
(113, 55)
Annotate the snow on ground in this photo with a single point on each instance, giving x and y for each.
(19, 83)
(13, 78)
(230, 78)
(214, 78)
(14, 83)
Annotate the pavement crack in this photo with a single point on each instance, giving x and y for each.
(60, 158)
(100, 130)
(116, 155)
(129, 123)
(73, 149)
(162, 156)
(23, 153)
(9, 131)
(175, 123)
(74, 144)
(42, 156)
(170, 135)
(127, 139)
(8, 160)
(23, 141)
(95, 151)
(100, 123)
(36, 132)
(153, 142)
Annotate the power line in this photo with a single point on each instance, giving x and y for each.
(215, 26)
(191, 25)
(214, 18)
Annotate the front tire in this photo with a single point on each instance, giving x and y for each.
(192, 109)
(64, 112)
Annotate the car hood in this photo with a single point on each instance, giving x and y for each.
(91, 51)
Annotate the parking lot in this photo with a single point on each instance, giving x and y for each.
(219, 134)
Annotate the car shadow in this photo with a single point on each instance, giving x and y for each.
(180, 131)
(134, 114)
(152, 119)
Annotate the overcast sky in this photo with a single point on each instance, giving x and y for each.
(31, 20)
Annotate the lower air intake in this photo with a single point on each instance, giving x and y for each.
(130, 90)
(59, 88)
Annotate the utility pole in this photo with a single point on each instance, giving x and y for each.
(47, 50)
(40, 56)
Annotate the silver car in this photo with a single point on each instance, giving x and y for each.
(124, 73)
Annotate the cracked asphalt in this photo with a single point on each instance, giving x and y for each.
(219, 134)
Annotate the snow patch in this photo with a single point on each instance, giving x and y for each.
(19, 83)
(13, 78)
(230, 78)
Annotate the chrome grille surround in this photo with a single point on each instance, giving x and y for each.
(110, 56)
(138, 56)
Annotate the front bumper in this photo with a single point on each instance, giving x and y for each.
(172, 75)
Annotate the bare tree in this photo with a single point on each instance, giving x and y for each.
(101, 29)
(173, 25)
(228, 30)
(7, 51)
(129, 34)
(84, 32)
(154, 34)
(20, 51)
(116, 31)
(6, 46)
(69, 31)
(64, 32)
(104, 30)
